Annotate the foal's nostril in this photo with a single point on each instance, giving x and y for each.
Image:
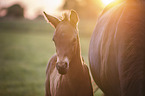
(57, 66)
(65, 65)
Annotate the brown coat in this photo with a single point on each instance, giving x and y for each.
(75, 83)
(117, 50)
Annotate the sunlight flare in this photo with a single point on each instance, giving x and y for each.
(106, 2)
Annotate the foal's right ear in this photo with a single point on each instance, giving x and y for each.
(53, 21)
(74, 17)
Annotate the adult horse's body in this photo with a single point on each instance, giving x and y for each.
(117, 50)
(66, 73)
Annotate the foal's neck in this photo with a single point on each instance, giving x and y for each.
(77, 58)
(76, 64)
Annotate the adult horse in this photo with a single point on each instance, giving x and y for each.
(117, 50)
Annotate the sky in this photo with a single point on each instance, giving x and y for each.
(33, 7)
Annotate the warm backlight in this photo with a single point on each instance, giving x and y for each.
(106, 2)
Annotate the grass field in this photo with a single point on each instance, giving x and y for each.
(25, 48)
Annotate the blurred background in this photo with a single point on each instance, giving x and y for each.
(26, 41)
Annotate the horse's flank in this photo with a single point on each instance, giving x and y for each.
(117, 50)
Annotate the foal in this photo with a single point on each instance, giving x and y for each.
(66, 73)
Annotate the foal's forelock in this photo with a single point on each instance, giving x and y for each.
(65, 17)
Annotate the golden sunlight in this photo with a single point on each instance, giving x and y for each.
(106, 2)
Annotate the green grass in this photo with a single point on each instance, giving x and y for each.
(25, 48)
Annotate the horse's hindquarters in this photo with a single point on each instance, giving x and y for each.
(103, 54)
(116, 51)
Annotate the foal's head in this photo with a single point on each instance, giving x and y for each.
(65, 38)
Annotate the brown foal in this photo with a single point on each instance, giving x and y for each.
(66, 73)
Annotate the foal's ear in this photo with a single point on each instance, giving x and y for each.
(53, 21)
(74, 17)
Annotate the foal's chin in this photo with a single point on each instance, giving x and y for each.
(62, 72)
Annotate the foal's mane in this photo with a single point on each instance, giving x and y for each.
(65, 16)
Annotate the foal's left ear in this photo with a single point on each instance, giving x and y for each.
(54, 21)
(74, 17)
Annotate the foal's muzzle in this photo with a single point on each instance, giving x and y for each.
(62, 67)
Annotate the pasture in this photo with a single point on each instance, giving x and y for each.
(25, 48)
